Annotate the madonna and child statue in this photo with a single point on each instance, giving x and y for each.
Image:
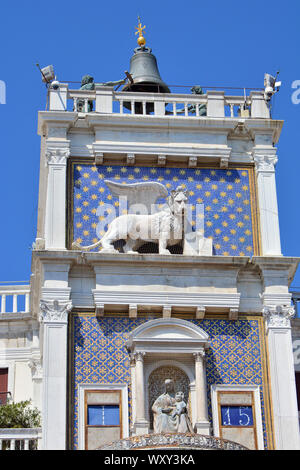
(170, 412)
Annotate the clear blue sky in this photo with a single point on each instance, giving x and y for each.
(216, 43)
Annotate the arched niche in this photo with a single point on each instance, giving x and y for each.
(166, 342)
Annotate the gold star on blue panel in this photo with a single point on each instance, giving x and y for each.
(225, 194)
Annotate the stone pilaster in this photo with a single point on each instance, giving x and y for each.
(56, 155)
(54, 316)
(284, 399)
(265, 161)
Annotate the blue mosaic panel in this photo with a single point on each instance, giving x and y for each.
(225, 194)
(99, 354)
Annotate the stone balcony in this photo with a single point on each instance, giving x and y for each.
(106, 100)
(15, 301)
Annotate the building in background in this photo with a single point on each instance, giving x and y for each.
(102, 329)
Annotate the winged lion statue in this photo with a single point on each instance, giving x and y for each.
(144, 222)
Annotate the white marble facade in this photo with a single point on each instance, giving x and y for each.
(196, 283)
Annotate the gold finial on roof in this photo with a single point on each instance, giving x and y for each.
(140, 40)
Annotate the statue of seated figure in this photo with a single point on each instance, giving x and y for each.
(170, 413)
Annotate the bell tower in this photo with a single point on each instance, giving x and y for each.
(158, 259)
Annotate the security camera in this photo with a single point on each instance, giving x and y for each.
(271, 86)
(269, 91)
(55, 84)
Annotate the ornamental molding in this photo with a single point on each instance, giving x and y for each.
(278, 316)
(173, 441)
(201, 300)
(57, 156)
(36, 369)
(54, 311)
(265, 162)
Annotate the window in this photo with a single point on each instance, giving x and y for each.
(237, 414)
(103, 423)
(103, 415)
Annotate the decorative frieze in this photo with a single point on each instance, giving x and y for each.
(175, 441)
(53, 311)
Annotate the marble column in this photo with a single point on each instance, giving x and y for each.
(282, 375)
(133, 391)
(202, 423)
(141, 424)
(54, 316)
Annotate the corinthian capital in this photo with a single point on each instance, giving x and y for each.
(265, 162)
(279, 315)
(199, 355)
(57, 156)
(139, 356)
(53, 311)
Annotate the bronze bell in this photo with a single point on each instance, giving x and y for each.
(146, 78)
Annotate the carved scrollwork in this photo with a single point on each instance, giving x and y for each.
(173, 441)
(54, 311)
(279, 315)
(57, 156)
(36, 368)
(265, 162)
(199, 355)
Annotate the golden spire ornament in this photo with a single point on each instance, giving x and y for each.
(140, 40)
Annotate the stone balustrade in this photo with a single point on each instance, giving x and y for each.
(15, 299)
(106, 100)
(20, 438)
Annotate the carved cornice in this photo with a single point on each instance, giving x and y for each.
(53, 311)
(278, 316)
